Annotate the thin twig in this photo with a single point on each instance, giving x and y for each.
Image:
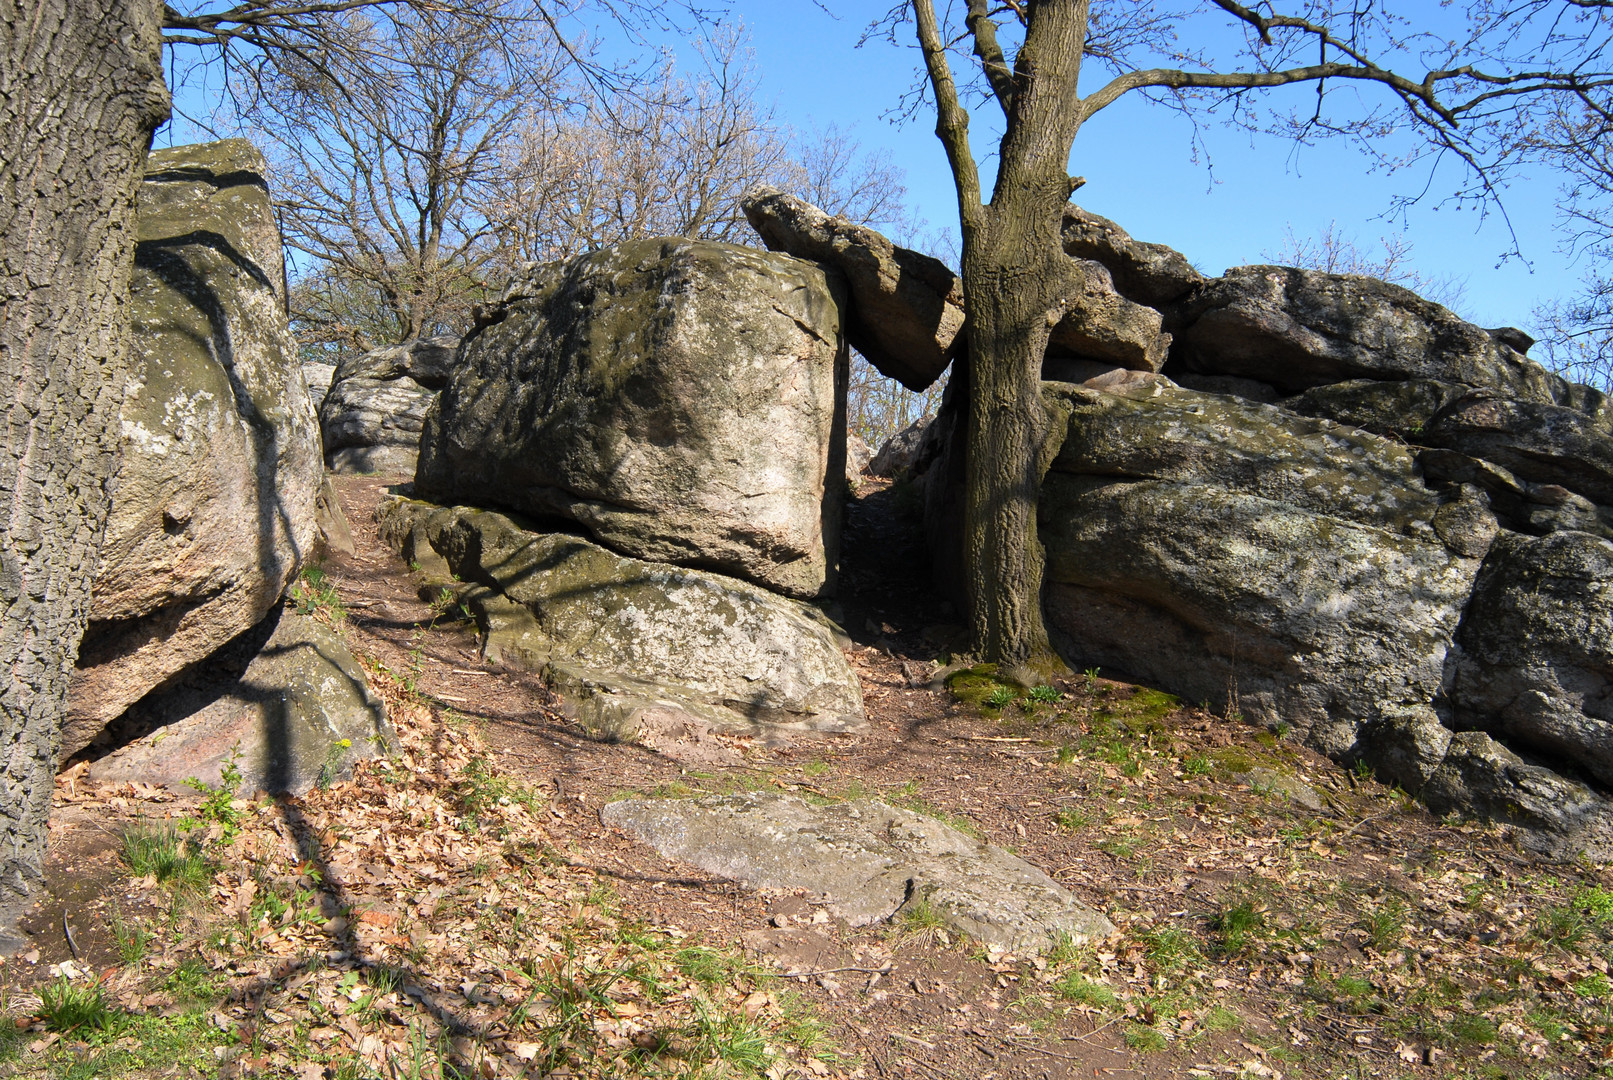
(67, 931)
(886, 970)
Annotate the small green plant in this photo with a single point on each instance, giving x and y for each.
(1563, 927)
(815, 768)
(1168, 947)
(1045, 695)
(1000, 697)
(1474, 1030)
(1066, 754)
(191, 981)
(66, 1006)
(1071, 820)
(1198, 765)
(1597, 987)
(1236, 926)
(709, 966)
(731, 1039)
(331, 769)
(218, 802)
(1386, 923)
(1076, 987)
(315, 595)
(1361, 769)
(1596, 902)
(1090, 677)
(131, 938)
(1220, 1018)
(162, 852)
(1144, 1038)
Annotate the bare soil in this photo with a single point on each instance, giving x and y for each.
(493, 927)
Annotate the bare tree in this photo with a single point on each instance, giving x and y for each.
(1476, 97)
(1333, 252)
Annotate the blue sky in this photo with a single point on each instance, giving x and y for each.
(1136, 159)
(1137, 162)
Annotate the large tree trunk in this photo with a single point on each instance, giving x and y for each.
(1016, 279)
(81, 92)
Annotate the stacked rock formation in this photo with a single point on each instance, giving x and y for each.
(215, 507)
(1341, 509)
(371, 416)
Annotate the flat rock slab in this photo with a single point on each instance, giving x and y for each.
(867, 860)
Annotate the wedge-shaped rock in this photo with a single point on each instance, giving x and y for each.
(868, 860)
(683, 401)
(906, 312)
(1536, 662)
(1151, 274)
(1100, 324)
(1227, 551)
(1296, 329)
(213, 509)
(1541, 443)
(624, 636)
(373, 413)
(286, 700)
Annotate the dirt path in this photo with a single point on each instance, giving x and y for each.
(1259, 935)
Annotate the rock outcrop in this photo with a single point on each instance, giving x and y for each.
(900, 451)
(906, 313)
(373, 413)
(868, 861)
(683, 401)
(1337, 508)
(286, 702)
(214, 504)
(640, 650)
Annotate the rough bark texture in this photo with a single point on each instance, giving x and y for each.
(80, 93)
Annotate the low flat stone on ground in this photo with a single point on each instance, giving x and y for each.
(869, 861)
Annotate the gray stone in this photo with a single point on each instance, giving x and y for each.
(1290, 787)
(1536, 662)
(906, 314)
(213, 509)
(287, 697)
(900, 451)
(1100, 324)
(869, 861)
(318, 377)
(1539, 443)
(1405, 746)
(334, 532)
(1228, 551)
(633, 640)
(1151, 274)
(1559, 816)
(1399, 408)
(1298, 328)
(373, 414)
(858, 455)
(684, 401)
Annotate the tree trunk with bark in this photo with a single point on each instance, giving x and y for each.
(81, 92)
(1016, 279)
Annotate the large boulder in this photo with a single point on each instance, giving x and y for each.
(1151, 274)
(285, 702)
(906, 312)
(1536, 661)
(867, 861)
(1291, 568)
(682, 400)
(373, 413)
(1100, 324)
(1537, 442)
(1296, 329)
(635, 646)
(213, 508)
(900, 451)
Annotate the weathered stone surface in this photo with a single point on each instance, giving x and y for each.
(1101, 324)
(1151, 274)
(1560, 816)
(213, 510)
(1398, 408)
(1297, 329)
(372, 416)
(318, 377)
(287, 695)
(858, 455)
(631, 639)
(1535, 667)
(896, 457)
(868, 860)
(1540, 443)
(682, 400)
(334, 532)
(1293, 566)
(906, 312)
(1521, 506)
